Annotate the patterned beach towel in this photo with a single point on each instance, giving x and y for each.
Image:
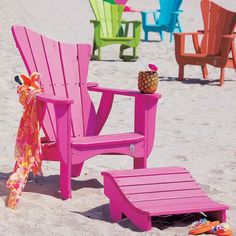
(27, 148)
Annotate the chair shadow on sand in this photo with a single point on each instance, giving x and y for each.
(192, 81)
(151, 41)
(47, 185)
(189, 80)
(102, 213)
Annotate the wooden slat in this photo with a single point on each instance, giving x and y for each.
(41, 66)
(168, 178)
(52, 55)
(205, 8)
(23, 44)
(107, 139)
(188, 208)
(164, 202)
(166, 195)
(69, 60)
(88, 110)
(114, 12)
(159, 187)
(149, 171)
(214, 22)
(108, 15)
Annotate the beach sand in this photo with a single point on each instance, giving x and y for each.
(196, 122)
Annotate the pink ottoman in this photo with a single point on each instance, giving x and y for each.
(140, 194)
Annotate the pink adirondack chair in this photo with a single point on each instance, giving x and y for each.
(69, 120)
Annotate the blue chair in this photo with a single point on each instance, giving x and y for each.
(165, 19)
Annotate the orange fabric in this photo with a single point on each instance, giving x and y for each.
(27, 149)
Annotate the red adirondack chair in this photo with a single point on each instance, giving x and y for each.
(69, 120)
(216, 45)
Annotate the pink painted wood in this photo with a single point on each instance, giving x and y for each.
(143, 193)
(69, 120)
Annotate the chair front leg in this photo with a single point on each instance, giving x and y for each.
(161, 35)
(140, 163)
(181, 73)
(146, 36)
(145, 122)
(63, 123)
(94, 56)
(222, 76)
(178, 25)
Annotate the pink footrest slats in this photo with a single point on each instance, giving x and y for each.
(140, 194)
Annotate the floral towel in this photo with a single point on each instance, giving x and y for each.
(27, 149)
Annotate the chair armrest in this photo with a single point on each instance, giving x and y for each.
(177, 12)
(47, 98)
(229, 36)
(134, 22)
(183, 34)
(92, 84)
(150, 12)
(123, 92)
(95, 21)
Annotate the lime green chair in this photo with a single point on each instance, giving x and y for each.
(109, 29)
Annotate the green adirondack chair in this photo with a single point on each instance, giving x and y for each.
(109, 29)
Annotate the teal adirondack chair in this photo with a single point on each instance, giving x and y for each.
(165, 19)
(109, 29)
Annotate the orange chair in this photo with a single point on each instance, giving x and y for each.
(217, 43)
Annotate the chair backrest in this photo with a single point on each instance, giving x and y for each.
(217, 22)
(168, 6)
(63, 72)
(109, 15)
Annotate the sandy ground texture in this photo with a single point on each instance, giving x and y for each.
(196, 122)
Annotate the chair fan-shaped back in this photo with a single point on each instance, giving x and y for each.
(217, 22)
(109, 15)
(63, 72)
(168, 6)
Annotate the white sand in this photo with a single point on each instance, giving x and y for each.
(196, 123)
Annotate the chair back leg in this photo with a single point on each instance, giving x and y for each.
(222, 76)
(76, 169)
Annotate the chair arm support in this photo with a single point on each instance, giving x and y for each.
(145, 121)
(227, 44)
(180, 42)
(136, 28)
(174, 19)
(97, 29)
(62, 108)
(107, 100)
(145, 16)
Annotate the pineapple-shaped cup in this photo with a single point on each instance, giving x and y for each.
(148, 80)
